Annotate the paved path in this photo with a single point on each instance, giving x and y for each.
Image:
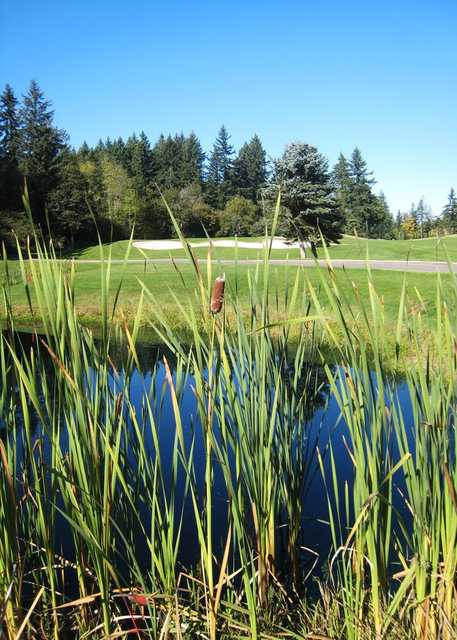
(423, 266)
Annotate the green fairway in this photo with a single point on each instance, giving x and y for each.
(440, 249)
(170, 286)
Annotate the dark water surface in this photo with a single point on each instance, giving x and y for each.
(325, 426)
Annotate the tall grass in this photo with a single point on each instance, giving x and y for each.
(99, 494)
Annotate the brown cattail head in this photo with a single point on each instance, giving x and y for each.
(139, 599)
(217, 294)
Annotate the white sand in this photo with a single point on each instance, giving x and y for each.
(172, 245)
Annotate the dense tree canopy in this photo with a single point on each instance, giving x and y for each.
(120, 184)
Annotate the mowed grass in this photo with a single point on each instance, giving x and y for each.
(441, 249)
(173, 286)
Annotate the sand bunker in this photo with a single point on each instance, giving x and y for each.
(172, 245)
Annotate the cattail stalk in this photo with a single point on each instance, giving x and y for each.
(217, 294)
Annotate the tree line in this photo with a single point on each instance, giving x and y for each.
(119, 185)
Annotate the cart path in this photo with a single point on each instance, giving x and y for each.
(421, 266)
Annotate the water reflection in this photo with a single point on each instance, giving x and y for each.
(147, 380)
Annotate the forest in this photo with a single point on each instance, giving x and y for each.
(118, 186)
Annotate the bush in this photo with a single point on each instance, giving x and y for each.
(239, 217)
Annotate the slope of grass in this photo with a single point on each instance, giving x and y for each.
(350, 248)
(172, 286)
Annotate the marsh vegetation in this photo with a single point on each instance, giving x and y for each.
(233, 483)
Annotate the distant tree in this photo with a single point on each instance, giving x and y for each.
(250, 169)
(122, 202)
(10, 132)
(85, 152)
(342, 179)
(41, 146)
(219, 178)
(398, 221)
(67, 205)
(422, 217)
(382, 223)
(139, 162)
(408, 227)
(153, 220)
(449, 214)
(192, 161)
(193, 214)
(239, 217)
(167, 161)
(92, 172)
(117, 151)
(308, 193)
(10, 129)
(362, 206)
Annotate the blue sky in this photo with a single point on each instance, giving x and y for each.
(380, 75)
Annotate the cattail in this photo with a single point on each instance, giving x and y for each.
(139, 599)
(217, 294)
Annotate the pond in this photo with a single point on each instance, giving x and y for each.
(151, 410)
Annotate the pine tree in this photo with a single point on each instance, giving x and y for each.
(342, 180)
(363, 208)
(192, 161)
(167, 158)
(449, 214)
(139, 162)
(41, 145)
(250, 169)
(219, 172)
(422, 216)
(10, 178)
(308, 193)
(383, 225)
(9, 126)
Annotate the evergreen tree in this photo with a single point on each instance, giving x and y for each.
(219, 172)
(422, 216)
(67, 204)
(382, 224)
(250, 169)
(192, 161)
(10, 178)
(9, 126)
(449, 214)
(117, 151)
(342, 179)
(85, 152)
(363, 209)
(308, 193)
(167, 157)
(140, 163)
(41, 145)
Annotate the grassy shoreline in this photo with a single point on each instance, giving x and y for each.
(173, 289)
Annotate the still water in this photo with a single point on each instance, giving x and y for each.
(325, 427)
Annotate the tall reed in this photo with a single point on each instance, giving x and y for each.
(98, 488)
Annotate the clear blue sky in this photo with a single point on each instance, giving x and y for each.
(336, 73)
